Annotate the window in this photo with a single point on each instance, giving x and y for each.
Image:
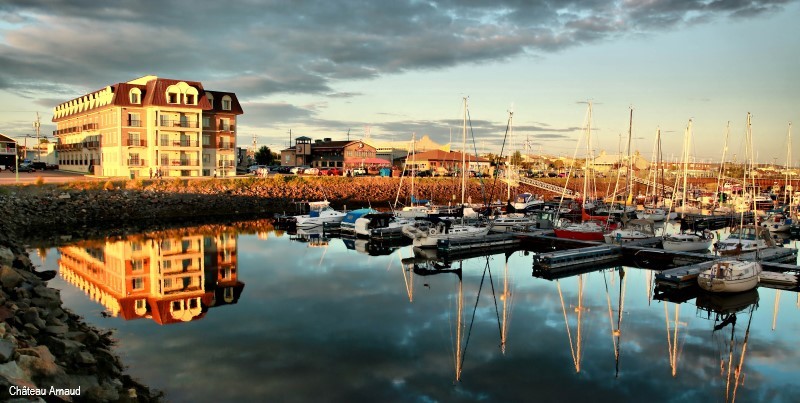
(172, 98)
(137, 283)
(225, 124)
(206, 140)
(136, 246)
(135, 96)
(206, 158)
(134, 140)
(206, 121)
(210, 99)
(137, 265)
(134, 120)
(190, 99)
(226, 103)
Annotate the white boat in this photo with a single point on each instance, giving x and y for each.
(633, 230)
(365, 225)
(730, 275)
(320, 212)
(427, 236)
(655, 214)
(527, 202)
(348, 224)
(688, 242)
(504, 223)
(777, 222)
(743, 239)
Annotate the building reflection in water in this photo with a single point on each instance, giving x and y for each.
(169, 277)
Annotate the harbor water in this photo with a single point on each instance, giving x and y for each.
(235, 315)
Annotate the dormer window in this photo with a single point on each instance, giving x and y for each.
(190, 99)
(135, 96)
(172, 98)
(226, 103)
(210, 99)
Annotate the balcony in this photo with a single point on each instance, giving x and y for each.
(134, 122)
(8, 150)
(226, 164)
(179, 143)
(225, 145)
(177, 123)
(137, 143)
(137, 162)
(179, 163)
(91, 144)
(227, 128)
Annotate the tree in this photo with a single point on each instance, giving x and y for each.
(516, 158)
(264, 156)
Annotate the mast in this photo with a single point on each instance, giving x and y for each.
(464, 155)
(630, 163)
(722, 163)
(786, 184)
(588, 153)
(686, 141)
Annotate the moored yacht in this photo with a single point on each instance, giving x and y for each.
(320, 212)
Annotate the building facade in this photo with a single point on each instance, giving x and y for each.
(8, 151)
(327, 153)
(148, 126)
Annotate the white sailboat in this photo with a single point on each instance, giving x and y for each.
(687, 241)
(428, 236)
(733, 275)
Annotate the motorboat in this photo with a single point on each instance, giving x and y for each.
(527, 202)
(688, 242)
(743, 239)
(427, 236)
(319, 213)
(632, 230)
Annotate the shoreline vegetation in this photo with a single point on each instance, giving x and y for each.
(43, 344)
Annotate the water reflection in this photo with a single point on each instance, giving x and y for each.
(410, 325)
(166, 277)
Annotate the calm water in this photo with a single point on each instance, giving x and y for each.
(241, 317)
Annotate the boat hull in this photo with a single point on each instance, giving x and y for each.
(730, 276)
(580, 235)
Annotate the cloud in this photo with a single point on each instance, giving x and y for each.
(259, 49)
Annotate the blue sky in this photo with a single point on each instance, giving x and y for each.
(393, 69)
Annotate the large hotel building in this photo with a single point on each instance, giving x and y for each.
(147, 126)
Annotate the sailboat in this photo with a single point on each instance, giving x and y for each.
(589, 229)
(685, 207)
(429, 236)
(733, 275)
(781, 221)
(687, 241)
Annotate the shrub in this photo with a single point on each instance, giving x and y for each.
(109, 185)
(39, 181)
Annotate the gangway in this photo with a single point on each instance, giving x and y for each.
(546, 186)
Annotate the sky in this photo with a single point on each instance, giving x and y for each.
(389, 70)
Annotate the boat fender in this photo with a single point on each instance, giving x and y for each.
(433, 231)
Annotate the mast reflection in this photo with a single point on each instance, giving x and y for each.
(167, 276)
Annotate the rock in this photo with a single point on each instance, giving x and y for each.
(31, 315)
(85, 358)
(64, 347)
(6, 256)
(12, 371)
(57, 330)
(47, 292)
(38, 361)
(31, 329)
(64, 196)
(9, 278)
(7, 349)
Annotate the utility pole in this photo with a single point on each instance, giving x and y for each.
(37, 125)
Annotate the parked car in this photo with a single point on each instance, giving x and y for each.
(359, 171)
(281, 169)
(425, 173)
(51, 167)
(24, 167)
(252, 169)
(332, 171)
(311, 171)
(298, 170)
